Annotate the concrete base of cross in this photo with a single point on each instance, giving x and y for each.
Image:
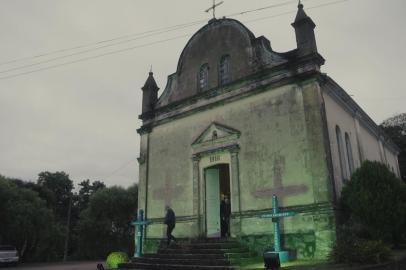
(283, 255)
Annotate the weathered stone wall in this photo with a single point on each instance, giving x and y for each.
(308, 235)
(370, 145)
(219, 38)
(281, 150)
(337, 116)
(393, 162)
(207, 46)
(143, 171)
(365, 144)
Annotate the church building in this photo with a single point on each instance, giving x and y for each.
(239, 120)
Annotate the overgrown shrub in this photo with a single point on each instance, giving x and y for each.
(350, 248)
(116, 258)
(372, 217)
(376, 200)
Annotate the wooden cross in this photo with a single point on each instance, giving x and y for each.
(213, 8)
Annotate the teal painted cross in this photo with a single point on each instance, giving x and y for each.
(275, 216)
(139, 223)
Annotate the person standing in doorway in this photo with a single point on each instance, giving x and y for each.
(225, 212)
(170, 221)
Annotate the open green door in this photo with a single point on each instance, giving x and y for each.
(213, 202)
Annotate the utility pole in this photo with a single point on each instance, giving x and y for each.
(65, 252)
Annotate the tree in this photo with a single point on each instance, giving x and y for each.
(43, 192)
(398, 135)
(34, 217)
(376, 200)
(395, 129)
(27, 223)
(86, 191)
(61, 187)
(104, 225)
(80, 202)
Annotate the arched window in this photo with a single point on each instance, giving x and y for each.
(214, 135)
(224, 70)
(350, 158)
(341, 154)
(204, 77)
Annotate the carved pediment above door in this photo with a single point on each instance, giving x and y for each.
(216, 135)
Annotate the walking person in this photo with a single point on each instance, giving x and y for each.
(170, 221)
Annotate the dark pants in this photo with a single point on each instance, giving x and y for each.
(169, 235)
(225, 227)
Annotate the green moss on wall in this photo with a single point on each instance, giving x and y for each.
(151, 245)
(302, 245)
(309, 235)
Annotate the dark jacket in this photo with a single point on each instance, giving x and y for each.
(225, 210)
(170, 218)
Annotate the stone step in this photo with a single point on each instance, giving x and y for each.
(186, 256)
(214, 245)
(182, 261)
(209, 254)
(183, 250)
(173, 266)
(238, 255)
(214, 240)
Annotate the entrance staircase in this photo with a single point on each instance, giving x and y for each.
(208, 254)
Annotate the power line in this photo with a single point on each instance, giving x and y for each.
(84, 51)
(263, 8)
(102, 41)
(120, 168)
(152, 32)
(152, 43)
(292, 11)
(91, 57)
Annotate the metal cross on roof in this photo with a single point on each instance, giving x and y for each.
(213, 8)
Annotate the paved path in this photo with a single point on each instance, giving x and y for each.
(57, 266)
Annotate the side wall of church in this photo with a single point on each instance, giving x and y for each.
(281, 150)
(364, 145)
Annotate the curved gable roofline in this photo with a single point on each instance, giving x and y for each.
(207, 27)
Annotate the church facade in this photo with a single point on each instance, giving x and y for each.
(238, 119)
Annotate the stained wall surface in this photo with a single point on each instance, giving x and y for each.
(215, 40)
(281, 152)
(365, 144)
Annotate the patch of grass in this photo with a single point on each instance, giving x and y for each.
(248, 263)
(303, 263)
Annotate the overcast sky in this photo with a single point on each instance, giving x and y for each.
(82, 117)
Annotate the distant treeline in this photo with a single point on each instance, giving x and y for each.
(395, 129)
(48, 221)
